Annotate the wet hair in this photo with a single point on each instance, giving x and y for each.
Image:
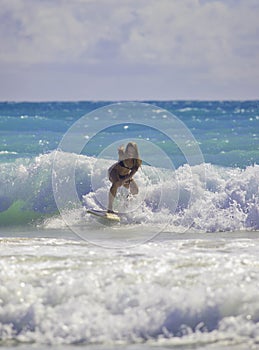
(134, 146)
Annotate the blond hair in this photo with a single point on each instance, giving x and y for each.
(124, 154)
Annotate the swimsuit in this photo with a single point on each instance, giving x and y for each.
(121, 163)
(121, 177)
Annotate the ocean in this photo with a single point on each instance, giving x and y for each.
(180, 270)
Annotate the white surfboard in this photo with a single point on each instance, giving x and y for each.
(104, 215)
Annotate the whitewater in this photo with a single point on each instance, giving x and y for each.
(181, 268)
(205, 197)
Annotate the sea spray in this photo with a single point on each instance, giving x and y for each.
(225, 200)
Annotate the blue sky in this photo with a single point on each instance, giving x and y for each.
(129, 49)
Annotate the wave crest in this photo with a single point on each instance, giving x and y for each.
(206, 197)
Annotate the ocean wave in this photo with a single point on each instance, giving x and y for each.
(7, 152)
(205, 197)
(65, 293)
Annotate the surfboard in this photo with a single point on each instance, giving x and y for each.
(102, 214)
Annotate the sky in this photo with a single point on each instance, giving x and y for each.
(71, 50)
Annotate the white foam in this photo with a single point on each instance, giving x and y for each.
(205, 197)
(174, 292)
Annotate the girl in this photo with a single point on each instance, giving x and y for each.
(121, 173)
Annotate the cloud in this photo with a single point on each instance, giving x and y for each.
(209, 40)
(157, 32)
(36, 31)
(219, 37)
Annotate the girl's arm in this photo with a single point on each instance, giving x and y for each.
(121, 153)
(130, 175)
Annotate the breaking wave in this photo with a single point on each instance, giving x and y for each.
(206, 197)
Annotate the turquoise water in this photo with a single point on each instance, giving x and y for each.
(226, 133)
(179, 271)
